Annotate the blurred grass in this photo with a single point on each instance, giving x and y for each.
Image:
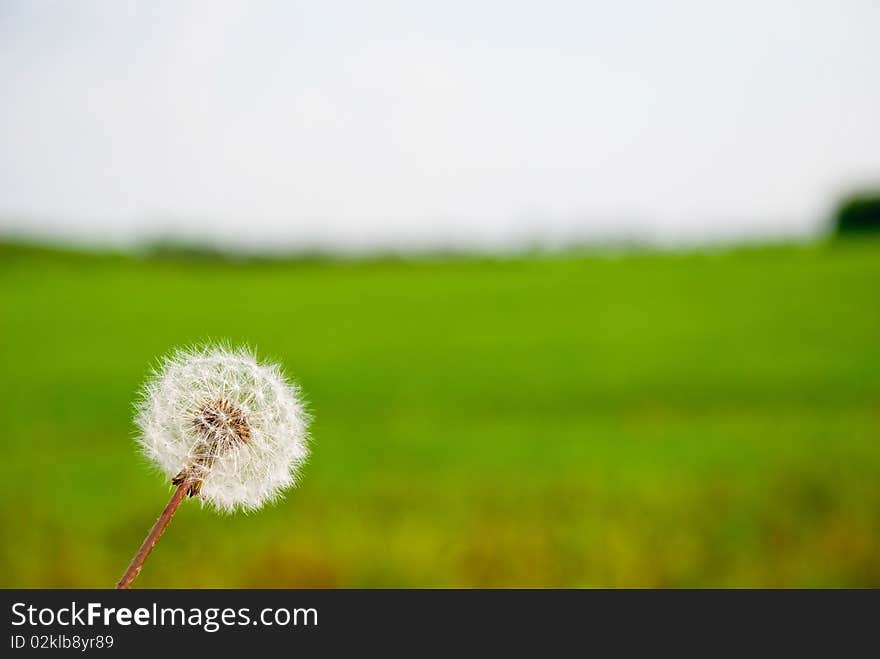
(705, 419)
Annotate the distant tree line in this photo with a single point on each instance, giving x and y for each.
(858, 214)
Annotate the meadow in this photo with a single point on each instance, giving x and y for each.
(702, 418)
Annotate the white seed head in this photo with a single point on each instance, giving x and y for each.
(230, 427)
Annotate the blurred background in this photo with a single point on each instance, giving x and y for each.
(581, 294)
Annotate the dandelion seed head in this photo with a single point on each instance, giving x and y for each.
(231, 427)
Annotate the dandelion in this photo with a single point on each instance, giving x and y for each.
(222, 427)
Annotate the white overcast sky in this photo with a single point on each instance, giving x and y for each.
(361, 124)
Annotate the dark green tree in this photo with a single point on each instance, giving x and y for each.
(858, 214)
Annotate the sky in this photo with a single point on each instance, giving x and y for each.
(378, 124)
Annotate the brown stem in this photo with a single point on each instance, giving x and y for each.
(134, 568)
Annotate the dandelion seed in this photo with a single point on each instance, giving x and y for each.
(222, 427)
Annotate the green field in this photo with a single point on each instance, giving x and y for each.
(699, 419)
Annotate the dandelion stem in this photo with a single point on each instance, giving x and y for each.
(134, 568)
